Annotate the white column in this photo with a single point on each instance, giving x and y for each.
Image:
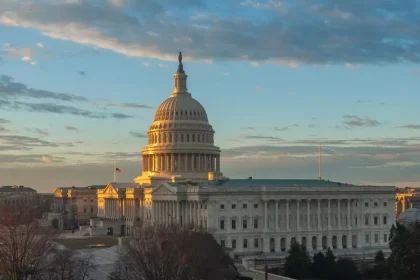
(287, 216)
(319, 215)
(329, 214)
(298, 214)
(218, 163)
(212, 163)
(348, 215)
(265, 214)
(308, 218)
(339, 214)
(199, 161)
(277, 215)
(178, 168)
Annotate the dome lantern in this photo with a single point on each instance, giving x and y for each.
(180, 79)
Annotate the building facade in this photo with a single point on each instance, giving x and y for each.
(182, 183)
(406, 198)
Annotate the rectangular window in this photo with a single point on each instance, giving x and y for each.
(366, 221)
(384, 221)
(222, 243)
(244, 224)
(233, 243)
(182, 137)
(84, 210)
(222, 224)
(367, 238)
(385, 204)
(375, 220)
(255, 205)
(255, 223)
(233, 224)
(233, 206)
(366, 204)
(91, 210)
(375, 204)
(385, 237)
(376, 238)
(245, 243)
(244, 206)
(222, 206)
(255, 242)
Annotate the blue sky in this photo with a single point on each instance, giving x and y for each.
(79, 80)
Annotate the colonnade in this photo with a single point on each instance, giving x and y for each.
(183, 213)
(127, 208)
(181, 162)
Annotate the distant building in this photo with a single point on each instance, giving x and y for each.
(181, 182)
(406, 198)
(75, 206)
(409, 216)
(20, 198)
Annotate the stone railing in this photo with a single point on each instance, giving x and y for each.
(250, 266)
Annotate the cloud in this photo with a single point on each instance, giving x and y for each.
(363, 101)
(71, 128)
(147, 64)
(324, 32)
(355, 121)
(262, 137)
(26, 58)
(281, 128)
(26, 142)
(41, 132)
(138, 134)
(40, 45)
(122, 105)
(350, 66)
(81, 73)
(4, 121)
(410, 126)
(248, 128)
(416, 71)
(46, 159)
(11, 89)
(10, 51)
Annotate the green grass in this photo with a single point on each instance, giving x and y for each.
(85, 242)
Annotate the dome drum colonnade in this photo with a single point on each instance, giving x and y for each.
(181, 140)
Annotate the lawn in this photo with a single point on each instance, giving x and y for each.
(86, 243)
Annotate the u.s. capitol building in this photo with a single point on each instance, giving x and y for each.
(181, 182)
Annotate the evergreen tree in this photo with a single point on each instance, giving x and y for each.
(346, 269)
(298, 262)
(319, 266)
(330, 261)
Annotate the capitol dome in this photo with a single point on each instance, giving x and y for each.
(411, 215)
(181, 139)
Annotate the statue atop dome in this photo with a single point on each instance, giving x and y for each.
(180, 66)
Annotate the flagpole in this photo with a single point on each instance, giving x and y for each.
(115, 172)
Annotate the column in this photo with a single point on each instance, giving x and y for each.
(319, 215)
(277, 215)
(287, 216)
(172, 162)
(199, 161)
(178, 218)
(212, 163)
(166, 162)
(192, 162)
(329, 214)
(218, 163)
(160, 162)
(191, 213)
(298, 214)
(339, 241)
(339, 214)
(178, 167)
(348, 214)
(265, 214)
(308, 216)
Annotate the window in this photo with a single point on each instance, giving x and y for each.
(376, 238)
(366, 204)
(244, 206)
(255, 242)
(182, 137)
(356, 221)
(91, 210)
(367, 238)
(193, 137)
(255, 206)
(222, 224)
(245, 243)
(188, 138)
(233, 243)
(233, 224)
(366, 220)
(385, 237)
(384, 220)
(233, 206)
(222, 243)
(244, 224)
(375, 204)
(84, 210)
(375, 220)
(255, 223)
(222, 206)
(385, 204)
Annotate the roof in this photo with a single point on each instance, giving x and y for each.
(269, 183)
(16, 189)
(124, 185)
(97, 187)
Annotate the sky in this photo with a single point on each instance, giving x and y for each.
(80, 81)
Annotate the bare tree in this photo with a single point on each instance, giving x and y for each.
(172, 253)
(27, 250)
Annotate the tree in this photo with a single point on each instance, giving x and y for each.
(330, 261)
(27, 250)
(298, 262)
(172, 253)
(319, 266)
(346, 269)
(380, 267)
(405, 256)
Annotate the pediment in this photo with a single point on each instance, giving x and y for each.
(109, 189)
(163, 189)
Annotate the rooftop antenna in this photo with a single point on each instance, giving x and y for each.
(319, 163)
